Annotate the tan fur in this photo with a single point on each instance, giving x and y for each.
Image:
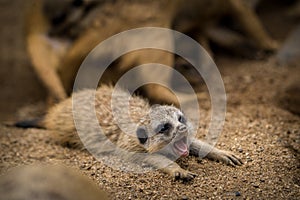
(60, 117)
(60, 120)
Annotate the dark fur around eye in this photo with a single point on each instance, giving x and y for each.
(142, 135)
(163, 128)
(182, 119)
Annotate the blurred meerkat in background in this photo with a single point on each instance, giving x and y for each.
(60, 34)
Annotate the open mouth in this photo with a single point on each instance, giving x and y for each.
(181, 147)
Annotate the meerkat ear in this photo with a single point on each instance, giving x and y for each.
(141, 133)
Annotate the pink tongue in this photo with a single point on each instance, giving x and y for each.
(181, 146)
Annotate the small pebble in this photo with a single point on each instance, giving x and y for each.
(237, 194)
(185, 198)
(260, 149)
(249, 159)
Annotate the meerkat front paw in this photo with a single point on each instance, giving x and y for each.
(181, 174)
(203, 149)
(226, 157)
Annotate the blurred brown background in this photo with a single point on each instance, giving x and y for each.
(18, 83)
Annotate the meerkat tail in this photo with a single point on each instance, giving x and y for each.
(34, 123)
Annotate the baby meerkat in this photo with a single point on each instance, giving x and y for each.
(162, 132)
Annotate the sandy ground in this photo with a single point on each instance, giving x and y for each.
(264, 135)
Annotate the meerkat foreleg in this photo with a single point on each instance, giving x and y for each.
(169, 167)
(203, 149)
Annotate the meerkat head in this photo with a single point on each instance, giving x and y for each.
(165, 129)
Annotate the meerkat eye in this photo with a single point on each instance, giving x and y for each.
(181, 119)
(163, 128)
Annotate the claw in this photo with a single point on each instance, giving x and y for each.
(230, 162)
(184, 175)
(227, 158)
(235, 160)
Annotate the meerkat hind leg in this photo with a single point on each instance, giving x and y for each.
(199, 148)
